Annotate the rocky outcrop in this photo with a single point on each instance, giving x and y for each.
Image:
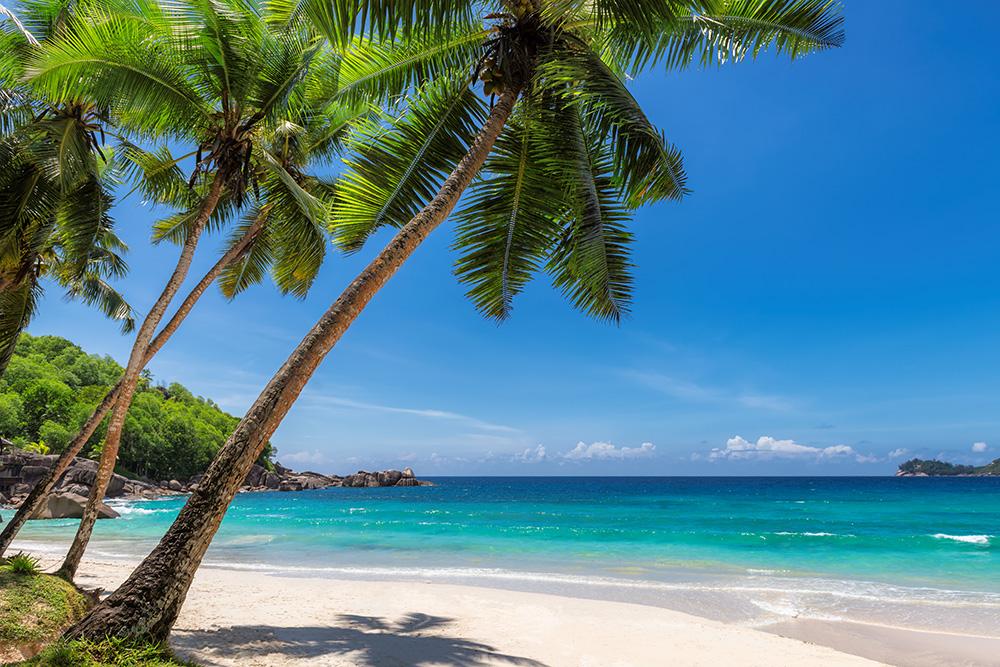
(363, 478)
(21, 470)
(70, 506)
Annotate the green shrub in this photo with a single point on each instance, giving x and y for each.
(22, 563)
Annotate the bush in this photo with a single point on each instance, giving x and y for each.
(22, 563)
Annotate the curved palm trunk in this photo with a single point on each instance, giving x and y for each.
(130, 381)
(44, 485)
(148, 603)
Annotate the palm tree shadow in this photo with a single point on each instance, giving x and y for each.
(368, 640)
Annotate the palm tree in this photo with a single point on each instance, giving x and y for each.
(55, 177)
(211, 74)
(564, 127)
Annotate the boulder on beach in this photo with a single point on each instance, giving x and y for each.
(70, 506)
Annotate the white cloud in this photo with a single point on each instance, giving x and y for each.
(605, 451)
(899, 453)
(529, 455)
(979, 447)
(739, 449)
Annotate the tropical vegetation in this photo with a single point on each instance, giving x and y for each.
(520, 109)
(52, 386)
(56, 176)
(935, 468)
(574, 155)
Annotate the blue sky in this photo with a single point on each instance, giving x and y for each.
(827, 301)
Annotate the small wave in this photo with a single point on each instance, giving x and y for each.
(968, 539)
(819, 534)
(127, 509)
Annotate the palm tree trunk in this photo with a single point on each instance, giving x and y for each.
(130, 381)
(148, 603)
(44, 485)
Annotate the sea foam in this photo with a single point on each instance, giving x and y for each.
(968, 539)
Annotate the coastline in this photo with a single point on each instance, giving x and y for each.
(231, 618)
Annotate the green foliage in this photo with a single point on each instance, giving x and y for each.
(935, 468)
(36, 608)
(577, 157)
(52, 386)
(108, 653)
(22, 563)
(37, 447)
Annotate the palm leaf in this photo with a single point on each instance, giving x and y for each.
(398, 164)
(510, 218)
(591, 262)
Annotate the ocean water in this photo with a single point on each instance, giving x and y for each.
(920, 553)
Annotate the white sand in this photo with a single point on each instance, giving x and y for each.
(251, 619)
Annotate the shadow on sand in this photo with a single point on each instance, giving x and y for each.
(363, 640)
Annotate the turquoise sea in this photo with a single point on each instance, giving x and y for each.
(913, 552)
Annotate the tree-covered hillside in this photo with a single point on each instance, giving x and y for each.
(52, 386)
(935, 468)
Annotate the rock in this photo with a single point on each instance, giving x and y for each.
(30, 474)
(289, 485)
(116, 486)
(407, 481)
(174, 485)
(271, 481)
(3, 499)
(408, 472)
(70, 506)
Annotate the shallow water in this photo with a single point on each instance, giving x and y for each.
(921, 552)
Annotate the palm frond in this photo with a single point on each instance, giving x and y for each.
(17, 306)
(647, 167)
(252, 265)
(399, 163)
(590, 263)
(723, 31)
(382, 71)
(116, 63)
(511, 217)
(92, 290)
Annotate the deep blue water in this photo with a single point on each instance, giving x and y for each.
(782, 546)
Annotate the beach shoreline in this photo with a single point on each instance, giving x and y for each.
(235, 617)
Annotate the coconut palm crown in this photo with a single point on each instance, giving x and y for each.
(56, 176)
(576, 158)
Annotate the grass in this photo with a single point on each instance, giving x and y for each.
(108, 653)
(35, 607)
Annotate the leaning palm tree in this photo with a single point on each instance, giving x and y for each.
(574, 155)
(213, 75)
(281, 234)
(56, 173)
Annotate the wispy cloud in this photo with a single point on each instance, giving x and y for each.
(426, 413)
(687, 390)
(980, 447)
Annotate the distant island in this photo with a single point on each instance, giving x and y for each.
(935, 468)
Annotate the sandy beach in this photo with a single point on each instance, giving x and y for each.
(249, 619)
